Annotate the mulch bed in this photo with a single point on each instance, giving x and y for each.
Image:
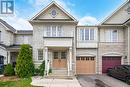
(9, 78)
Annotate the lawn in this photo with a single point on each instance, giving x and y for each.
(16, 83)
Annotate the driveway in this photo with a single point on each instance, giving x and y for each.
(100, 81)
(50, 82)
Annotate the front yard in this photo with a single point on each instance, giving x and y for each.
(13, 81)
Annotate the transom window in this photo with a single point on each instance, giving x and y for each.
(40, 54)
(86, 34)
(54, 31)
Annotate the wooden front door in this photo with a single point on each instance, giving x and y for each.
(59, 60)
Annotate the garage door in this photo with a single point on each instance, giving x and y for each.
(85, 65)
(110, 62)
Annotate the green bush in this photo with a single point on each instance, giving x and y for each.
(9, 70)
(50, 70)
(42, 69)
(36, 72)
(24, 63)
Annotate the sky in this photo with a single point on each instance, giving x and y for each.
(87, 12)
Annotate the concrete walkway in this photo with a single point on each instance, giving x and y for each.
(39, 81)
(1, 75)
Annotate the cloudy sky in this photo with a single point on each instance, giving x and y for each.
(87, 12)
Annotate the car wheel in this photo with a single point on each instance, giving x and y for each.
(128, 80)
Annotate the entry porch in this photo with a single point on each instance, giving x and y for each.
(59, 60)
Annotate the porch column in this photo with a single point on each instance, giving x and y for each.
(46, 60)
(128, 57)
(8, 57)
(70, 58)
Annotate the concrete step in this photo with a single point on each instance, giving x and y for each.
(60, 77)
(60, 72)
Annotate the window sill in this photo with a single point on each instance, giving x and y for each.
(56, 37)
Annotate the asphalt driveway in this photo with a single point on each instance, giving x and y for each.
(100, 81)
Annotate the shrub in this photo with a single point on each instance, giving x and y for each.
(9, 70)
(42, 69)
(24, 63)
(50, 70)
(36, 72)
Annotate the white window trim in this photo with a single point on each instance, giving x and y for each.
(38, 55)
(57, 32)
(111, 36)
(83, 39)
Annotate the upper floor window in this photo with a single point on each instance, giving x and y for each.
(54, 31)
(112, 35)
(86, 34)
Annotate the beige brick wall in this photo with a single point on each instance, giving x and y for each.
(111, 49)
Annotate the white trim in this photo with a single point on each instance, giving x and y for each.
(109, 35)
(53, 2)
(114, 12)
(112, 54)
(84, 32)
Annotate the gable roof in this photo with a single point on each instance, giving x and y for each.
(114, 12)
(9, 27)
(53, 3)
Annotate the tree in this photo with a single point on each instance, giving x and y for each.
(24, 63)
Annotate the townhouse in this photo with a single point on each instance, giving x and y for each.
(69, 49)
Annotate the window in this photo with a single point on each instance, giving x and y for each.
(81, 34)
(40, 54)
(111, 35)
(54, 31)
(114, 36)
(86, 34)
(48, 31)
(55, 55)
(0, 36)
(25, 39)
(63, 55)
(91, 34)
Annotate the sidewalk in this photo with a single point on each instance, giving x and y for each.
(1, 75)
(55, 82)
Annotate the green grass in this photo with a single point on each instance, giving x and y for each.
(20, 83)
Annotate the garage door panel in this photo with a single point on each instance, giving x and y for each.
(85, 65)
(110, 62)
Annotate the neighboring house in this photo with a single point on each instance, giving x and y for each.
(69, 49)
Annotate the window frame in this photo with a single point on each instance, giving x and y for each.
(50, 31)
(112, 37)
(109, 35)
(40, 55)
(86, 35)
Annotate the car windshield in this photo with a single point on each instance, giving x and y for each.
(127, 67)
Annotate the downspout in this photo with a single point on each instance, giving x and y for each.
(128, 55)
(98, 51)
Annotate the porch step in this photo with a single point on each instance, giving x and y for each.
(59, 72)
(60, 77)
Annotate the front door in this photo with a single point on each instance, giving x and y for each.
(59, 60)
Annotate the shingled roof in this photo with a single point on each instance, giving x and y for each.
(9, 27)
